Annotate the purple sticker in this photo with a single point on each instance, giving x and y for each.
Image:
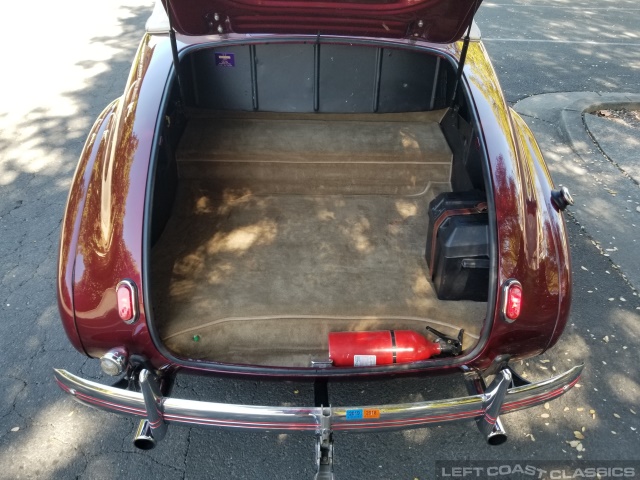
(225, 60)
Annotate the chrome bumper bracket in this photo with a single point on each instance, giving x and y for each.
(153, 401)
(490, 424)
(324, 447)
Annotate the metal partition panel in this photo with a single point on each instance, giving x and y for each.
(406, 81)
(222, 78)
(347, 78)
(315, 77)
(285, 76)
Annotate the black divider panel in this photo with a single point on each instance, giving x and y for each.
(307, 78)
(222, 78)
(285, 77)
(406, 81)
(347, 78)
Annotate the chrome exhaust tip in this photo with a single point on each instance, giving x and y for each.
(497, 439)
(498, 435)
(490, 424)
(143, 439)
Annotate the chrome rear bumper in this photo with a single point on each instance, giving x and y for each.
(485, 406)
(506, 393)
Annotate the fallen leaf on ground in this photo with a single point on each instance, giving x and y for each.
(616, 415)
(15, 429)
(578, 435)
(545, 415)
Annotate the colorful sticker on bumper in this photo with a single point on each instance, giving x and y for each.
(360, 413)
(225, 60)
(355, 414)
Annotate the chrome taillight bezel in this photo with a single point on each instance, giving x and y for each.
(131, 286)
(506, 286)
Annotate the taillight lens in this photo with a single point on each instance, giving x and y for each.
(125, 292)
(125, 303)
(513, 304)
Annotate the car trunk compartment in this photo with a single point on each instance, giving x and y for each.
(272, 229)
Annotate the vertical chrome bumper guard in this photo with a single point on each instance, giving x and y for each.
(324, 447)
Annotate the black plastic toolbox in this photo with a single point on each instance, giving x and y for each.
(457, 250)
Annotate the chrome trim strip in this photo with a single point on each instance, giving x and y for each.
(273, 418)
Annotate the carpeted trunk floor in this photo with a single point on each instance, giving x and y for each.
(263, 279)
(289, 226)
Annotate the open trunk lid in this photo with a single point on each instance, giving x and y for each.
(438, 21)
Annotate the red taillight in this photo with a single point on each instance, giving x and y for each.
(126, 306)
(125, 303)
(513, 304)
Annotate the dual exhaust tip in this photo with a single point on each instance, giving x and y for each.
(143, 439)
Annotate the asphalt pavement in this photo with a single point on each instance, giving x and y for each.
(62, 79)
(598, 160)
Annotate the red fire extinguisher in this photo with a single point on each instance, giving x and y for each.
(361, 349)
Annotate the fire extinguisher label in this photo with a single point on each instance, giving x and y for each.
(364, 360)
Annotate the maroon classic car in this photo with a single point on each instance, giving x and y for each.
(315, 190)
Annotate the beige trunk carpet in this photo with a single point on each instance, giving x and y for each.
(257, 267)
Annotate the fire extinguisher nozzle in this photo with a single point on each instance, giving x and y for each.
(448, 345)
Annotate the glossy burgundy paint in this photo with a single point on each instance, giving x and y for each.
(102, 240)
(109, 238)
(438, 21)
(71, 223)
(531, 236)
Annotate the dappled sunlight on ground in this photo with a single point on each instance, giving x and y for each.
(48, 102)
(597, 47)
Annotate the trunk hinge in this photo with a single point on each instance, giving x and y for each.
(174, 51)
(463, 56)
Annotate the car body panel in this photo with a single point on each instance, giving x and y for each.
(107, 245)
(108, 242)
(438, 21)
(531, 238)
